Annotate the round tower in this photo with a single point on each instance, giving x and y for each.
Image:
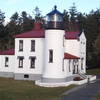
(53, 71)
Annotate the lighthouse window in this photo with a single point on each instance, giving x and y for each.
(50, 56)
(20, 45)
(6, 61)
(32, 45)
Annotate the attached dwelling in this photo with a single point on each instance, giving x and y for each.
(50, 56)
(7, 63)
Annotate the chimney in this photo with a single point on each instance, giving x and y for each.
(37, 26)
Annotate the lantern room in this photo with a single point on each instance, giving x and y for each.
(54, 19)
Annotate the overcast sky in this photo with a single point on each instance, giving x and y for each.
(12, 6)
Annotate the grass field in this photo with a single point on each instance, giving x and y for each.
(98, 96)
(26, 90)
(95, 71)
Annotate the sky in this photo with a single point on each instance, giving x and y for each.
(45, 6)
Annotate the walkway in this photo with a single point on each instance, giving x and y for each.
(84, 92)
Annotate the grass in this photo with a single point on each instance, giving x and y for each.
(95, 71)
(98, 96)
(26, 90)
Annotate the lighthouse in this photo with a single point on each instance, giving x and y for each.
(53, 71)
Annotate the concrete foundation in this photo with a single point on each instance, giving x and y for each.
(20, 76)
(7, 74)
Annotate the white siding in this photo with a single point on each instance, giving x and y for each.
(11, 63)
(83, 50)
(72, 47)
(26, 53)
(54, 41)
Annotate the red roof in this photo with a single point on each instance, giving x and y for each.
(69, 56)
(38, 32)
(32, 34)
(8, 52)
(41, 34)
(72, 35)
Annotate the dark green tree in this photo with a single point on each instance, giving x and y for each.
(66, 20)
(2, 19)
(26, 22)
(73, 18)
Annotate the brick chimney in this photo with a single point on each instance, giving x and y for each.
(37, 26)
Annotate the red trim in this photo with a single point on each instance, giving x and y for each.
(69, 56)
(8, 52)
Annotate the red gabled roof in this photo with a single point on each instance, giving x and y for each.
(41, 34)
(69, 56)
(72, 35)
(32, 34)
(8, 52)
(38, 32)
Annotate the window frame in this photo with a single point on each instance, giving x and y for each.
(6, 61)
(20, 64)
(69, 63)
(20, 45)
(32, 62)
(50, 56)
(82, 63)
(33, 42)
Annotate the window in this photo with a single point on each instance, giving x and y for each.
(20, 62)
(63, 40)
(6, 61)
(69, 65)
(32, 45)
(26, 76)
(50, 56)
(82, 63)
(20, 45)
(63, 65)
(32, 62)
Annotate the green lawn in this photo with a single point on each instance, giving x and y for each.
(93, 71)
(98, 96)
(26, 90)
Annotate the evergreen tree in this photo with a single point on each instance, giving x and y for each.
(66, 20)
(26, 22)
(73, 18)
(2, 19)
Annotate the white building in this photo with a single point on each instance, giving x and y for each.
(50, 55)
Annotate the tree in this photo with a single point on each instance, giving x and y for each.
(66, 20)
(81, 21)
(26, 22)
(38, 16)
(2, 19)
(73, 18)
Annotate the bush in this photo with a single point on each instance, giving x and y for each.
(77, 79)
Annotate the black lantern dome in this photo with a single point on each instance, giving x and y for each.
(54, 19)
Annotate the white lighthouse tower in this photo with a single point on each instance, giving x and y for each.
(54, 48)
